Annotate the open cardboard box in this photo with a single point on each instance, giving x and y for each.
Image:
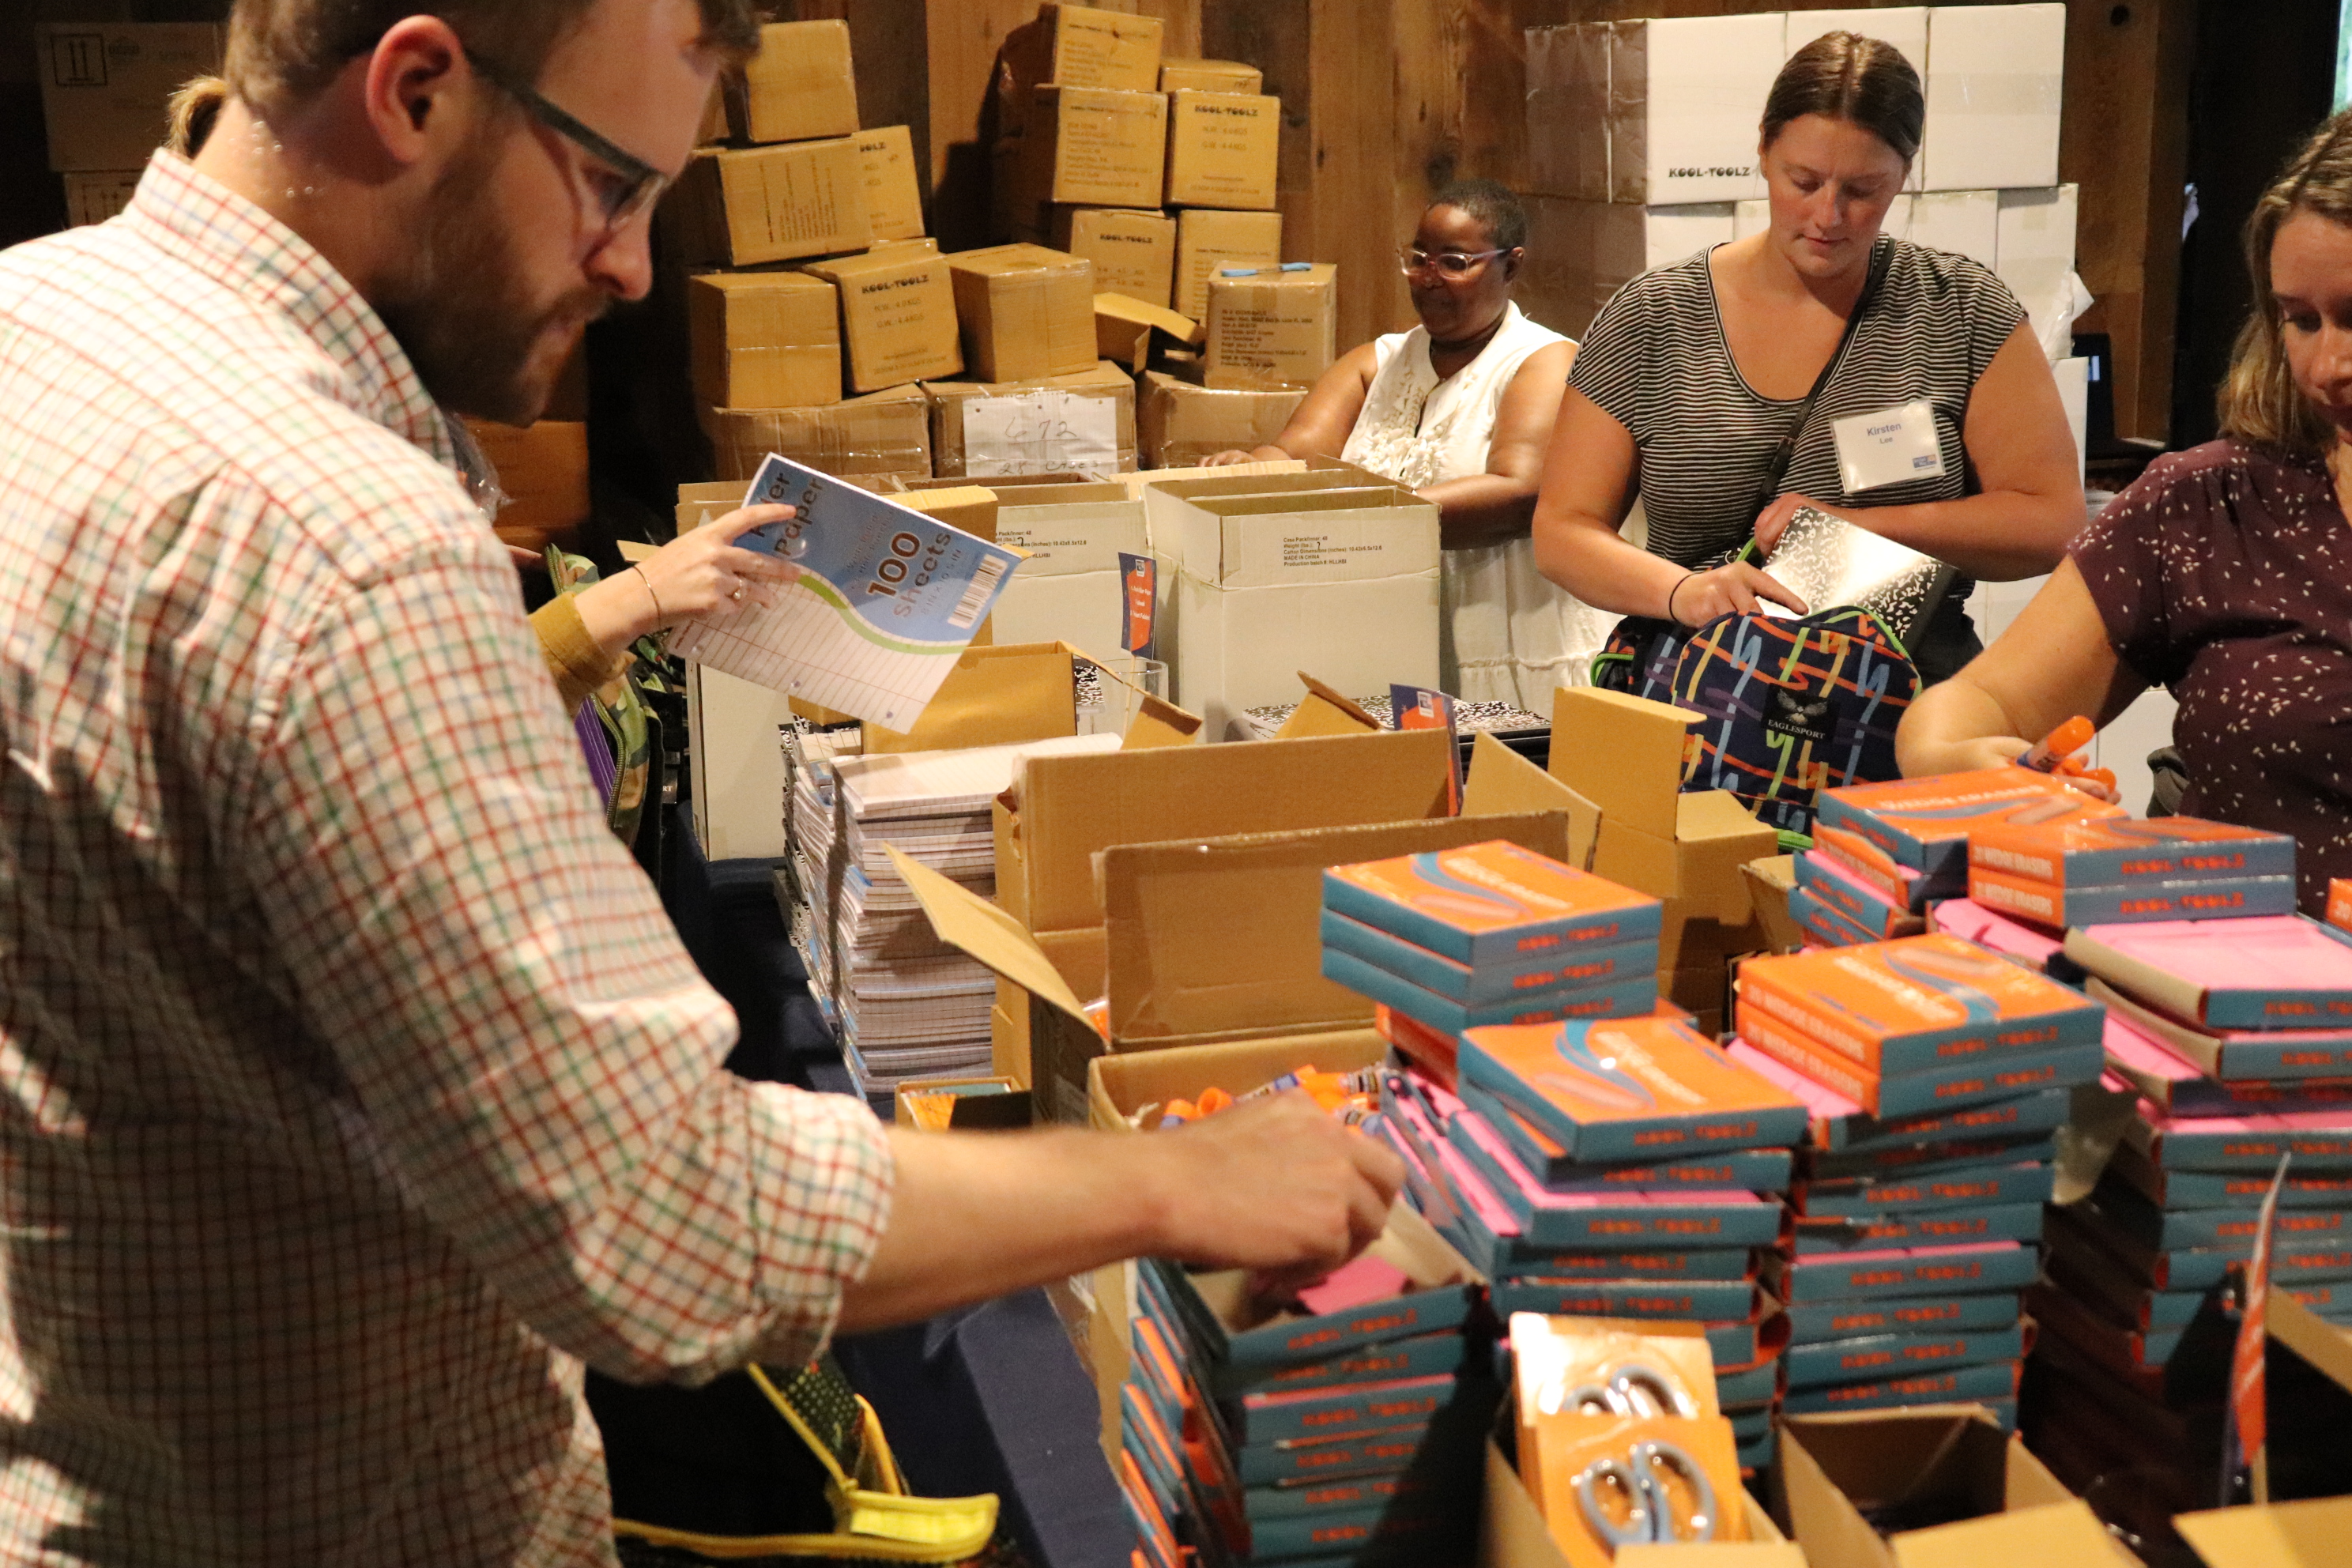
(1625, 755)
(2299, 1534)
(1203, 940)
(1010, 693)
(1834, 1467)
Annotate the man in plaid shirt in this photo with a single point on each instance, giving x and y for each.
(353, 1088)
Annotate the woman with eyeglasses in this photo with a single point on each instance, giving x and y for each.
(1713, 390)
(1458, 409)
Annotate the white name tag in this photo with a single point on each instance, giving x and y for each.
(1891, 447)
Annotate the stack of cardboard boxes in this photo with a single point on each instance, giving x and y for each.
(106, 89)
(1642, 149)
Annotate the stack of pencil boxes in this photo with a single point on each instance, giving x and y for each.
(2120, 870)
(1935, 1074)
(1344, 1427)
(1620, 1168)
(1884, 852)
(1490, 933)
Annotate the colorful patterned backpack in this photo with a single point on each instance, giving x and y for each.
(1789, 707)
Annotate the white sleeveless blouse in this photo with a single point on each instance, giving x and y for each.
(1506, 633)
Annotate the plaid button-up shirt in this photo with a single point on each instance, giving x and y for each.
(353, 1087)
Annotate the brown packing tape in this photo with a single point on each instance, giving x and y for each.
(885, 432)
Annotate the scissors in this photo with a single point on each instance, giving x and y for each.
(1650, 1515)
(1635, 1388)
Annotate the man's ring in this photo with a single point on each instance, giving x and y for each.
(738, 594)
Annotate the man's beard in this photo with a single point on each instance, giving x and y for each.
(461, 309)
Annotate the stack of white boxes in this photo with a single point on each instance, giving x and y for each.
(1642, 149)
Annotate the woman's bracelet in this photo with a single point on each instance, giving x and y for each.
(660, 616)
(1672, 592)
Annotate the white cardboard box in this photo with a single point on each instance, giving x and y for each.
(1579, 253)
(1995, 85)
(738, 764)
(1069, 589)
(1339, 583)
(2036, 251)
(1684, 97)
(2073, 377)
(1966, 222)
(1905, 27)
(1677, 233)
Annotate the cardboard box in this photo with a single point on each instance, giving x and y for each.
(1275, 329)
(1210, 76)
(881, 432)
(1124, 330)
(1341, 581)
(1966, 222)
(898, 311)
(1579, 253)
(1069, 588)
(95, 195)
(1095, 146)
(2307, 1535)
(1179, 425)
(1049, 424)
(544, 469)
(1026, 311)
(1208, 241)
(2034, 254)
(1567, 130)
(737, 769)
(750, 204)
(763, 340)
(1832, 1465)
(1512, 1533)
(1222, 148)
(894, 200)
(1905, 27)
(1133, 253)
(1080, 46)
(713, 128)
(106, 86)
(799, 87)
(1995, 79)
(1684, 97)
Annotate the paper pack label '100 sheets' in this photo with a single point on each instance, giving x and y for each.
(886, 600)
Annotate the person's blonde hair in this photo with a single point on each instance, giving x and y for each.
(2259, 402)
(190, 114)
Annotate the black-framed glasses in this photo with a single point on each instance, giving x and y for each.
(633, 185)
(1412, 259)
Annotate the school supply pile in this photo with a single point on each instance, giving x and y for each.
(1620, 1168)
(2120, 870)
(1935, 1074)
(1340, 1424)
(1490, 933)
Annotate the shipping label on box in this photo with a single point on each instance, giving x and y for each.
(763, 340)
(1099, 146)
(1080, 46)
(105, 87)
(1684, 97)
(1056, 424)
(894, 202)
(798, 199)
(1221, 150)
(1995, 80)
(1026, 311)
(1179, 425)
(1568, 111)
(95, 195)
(1208, 241)
(897, 316)
(1274, 329)
(1133, 253)
(799, 87)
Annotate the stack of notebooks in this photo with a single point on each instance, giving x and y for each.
(905, 1004)
(2121, 870)
(1344, 1427)
(1623, 1168)
(2236, 1037)
(1935, 1074)
(1490, 933)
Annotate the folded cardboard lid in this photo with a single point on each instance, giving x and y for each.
(1323, 712)
(1223, 935)
(2316, 1534)
(1623, 754)
(1102, 376)
(1834, 1467)
(1121, 308)
(2067, 1533)
(1503, 782)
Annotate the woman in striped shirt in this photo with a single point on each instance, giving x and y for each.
(1693, 377)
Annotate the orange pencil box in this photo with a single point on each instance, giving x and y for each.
(1925, 824)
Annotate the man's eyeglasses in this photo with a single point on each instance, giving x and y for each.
(1412, 259)
(624, 187)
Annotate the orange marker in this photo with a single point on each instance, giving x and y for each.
(2051, 753)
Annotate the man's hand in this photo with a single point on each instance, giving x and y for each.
(1276, 1186)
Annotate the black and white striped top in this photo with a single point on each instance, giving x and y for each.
(1655, 361)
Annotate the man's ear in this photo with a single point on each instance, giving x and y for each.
(413, 89)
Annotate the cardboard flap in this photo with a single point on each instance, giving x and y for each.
(2313, 1534)
(1159, 724)
(1623, 754)
(2315, 1339)
(1138, 484)
(1135, 312)
(1218, 935)
(999, 696)
(969, 923)
(2062, 1533)
(1117, 1086)
(1770, 881)
(1326, 713)
(1713, 1554)
(1504, 784)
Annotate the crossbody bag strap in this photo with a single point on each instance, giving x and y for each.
(1881, 256)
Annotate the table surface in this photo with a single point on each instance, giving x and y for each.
(992, 1399)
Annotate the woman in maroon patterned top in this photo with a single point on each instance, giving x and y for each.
(2224, 575)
